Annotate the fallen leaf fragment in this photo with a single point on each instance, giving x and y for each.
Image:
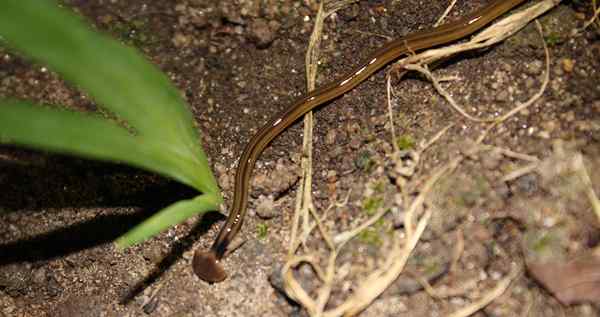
(576, 281)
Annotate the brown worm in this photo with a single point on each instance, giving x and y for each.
(206, 263)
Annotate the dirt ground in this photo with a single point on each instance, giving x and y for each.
(239, 62)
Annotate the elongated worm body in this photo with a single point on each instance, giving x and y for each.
(206, 263)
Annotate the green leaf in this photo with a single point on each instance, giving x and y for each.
(167, 217)
(90, 136)
(158, 134)
(116, 76)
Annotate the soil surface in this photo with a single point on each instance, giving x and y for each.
(237, 63)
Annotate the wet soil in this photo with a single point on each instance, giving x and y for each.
(239, 62)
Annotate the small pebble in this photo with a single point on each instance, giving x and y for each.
(262, 33)
(266, 208)
(535, 67)
(153, 254)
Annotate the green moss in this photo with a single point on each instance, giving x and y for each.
(371, 204)
(405, 142)
(543, 242)
(364, 161)
(370, 236)
(262, 230)
(432, 267)
(379, 187)
(553, 39)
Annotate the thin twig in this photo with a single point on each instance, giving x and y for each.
(585, 178)
(592, 19)
(424, 146)
(345, 236)
(489, 297)
(436, 84)
(390, 112)
(445, 14)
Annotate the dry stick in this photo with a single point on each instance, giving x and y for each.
(491, 35)
(324, 291)
(436, 84)
(389, 93)
(390, 112)
(593, 19)
(512, 154)
(519, 172)
(459, 249)
(531, 100)
(379, 280)
(503, 285)
(445, 14)
(341, 204)
(292, 288)
(489, 297)
(579, 166)
(460, 290)
(345, 236)
(531, 167)
(425, 145)
(304, 199)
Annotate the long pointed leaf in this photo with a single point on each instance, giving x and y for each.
(167, 217)
(86, 135)
(115, 75)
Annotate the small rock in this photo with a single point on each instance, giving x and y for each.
(276, 182)
(39, 276)
(198, 18)
(405, 163)
(15, 280)
(527, 184)
(535, 67)
(231, 12)
(350, 12)
(250, 8)
(276, 279)
(225, 181)
(331, 176)
(151, 305)
(502, 190)
(181, 40)
(54, 288)
(569, 116)
(492, 160)
(266, 208)
(502, 96)
(549, 126)
(153, 254)
(262, 33)
(529, 82)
